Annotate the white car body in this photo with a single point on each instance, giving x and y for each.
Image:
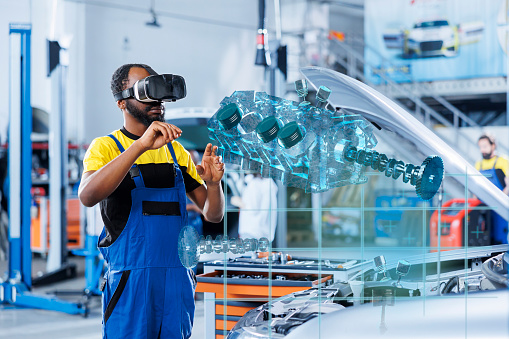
(431, 38)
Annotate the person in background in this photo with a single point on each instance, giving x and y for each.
(496, 170)
(258, 216)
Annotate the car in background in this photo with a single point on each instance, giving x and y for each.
(433, 38)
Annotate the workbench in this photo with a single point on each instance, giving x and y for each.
(234, 286)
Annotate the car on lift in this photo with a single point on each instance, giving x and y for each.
(441, 294)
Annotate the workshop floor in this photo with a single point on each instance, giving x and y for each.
(38, 324)
(23, 323)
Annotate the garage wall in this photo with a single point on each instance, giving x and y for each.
(19, 12)
(50, 20)
(211, 44)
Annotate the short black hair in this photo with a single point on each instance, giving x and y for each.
(119, 77)
(489, 137)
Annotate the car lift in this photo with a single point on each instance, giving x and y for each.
(16, 290)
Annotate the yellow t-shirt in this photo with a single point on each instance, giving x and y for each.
(104, 149)
(501, 162)
(501, 167)
(156, 168)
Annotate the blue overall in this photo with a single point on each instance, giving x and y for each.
(148, 293)
(499, 225)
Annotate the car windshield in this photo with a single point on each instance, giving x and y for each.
(431, 24)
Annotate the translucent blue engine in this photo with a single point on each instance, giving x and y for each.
(297, 143)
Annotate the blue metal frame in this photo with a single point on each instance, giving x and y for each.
(16, 290)
(94, 264)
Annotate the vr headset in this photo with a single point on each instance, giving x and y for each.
(162, 87)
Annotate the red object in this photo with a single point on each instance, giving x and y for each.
(44, 145)
(260, 38)
(336, 35)
(452, 219)
(38, 191)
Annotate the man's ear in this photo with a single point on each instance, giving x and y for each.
(121, 104)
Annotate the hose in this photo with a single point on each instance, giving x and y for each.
(451, 283)
(487, 269)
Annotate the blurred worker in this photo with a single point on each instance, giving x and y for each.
(257, 216)
(496, 169)
(140, 175)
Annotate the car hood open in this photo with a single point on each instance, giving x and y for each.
(351, 94)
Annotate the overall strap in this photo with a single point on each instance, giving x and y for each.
(135, 170)
(495, 164)
(119, 145)
(172, 152)
(177, 173)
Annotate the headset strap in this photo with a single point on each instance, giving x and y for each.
(126, 93)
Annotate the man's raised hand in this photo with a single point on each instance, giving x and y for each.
(211, 169)
(159, 134)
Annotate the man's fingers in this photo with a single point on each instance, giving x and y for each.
(175, 131)
(199, 169)
(171, 133)
(208, 150)
(163, 131)
(168, 131)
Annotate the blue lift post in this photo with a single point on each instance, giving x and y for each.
(94, 265)
(17, 289)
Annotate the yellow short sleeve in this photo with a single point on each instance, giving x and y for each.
(100, 152)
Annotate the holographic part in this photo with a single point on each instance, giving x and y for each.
(290, 135)
(381, 267)
(191, 246)
(426, 178)
(322, 96)
(430, 177)
(268, 129)
(403, 268)
(263, 244)
(280, 139)
(229, 116)
(188, 247)
(301, 87)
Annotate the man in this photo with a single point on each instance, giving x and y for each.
(140, 175)
(496, 169)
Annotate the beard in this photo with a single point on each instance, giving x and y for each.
(487, 156)
(142, 115)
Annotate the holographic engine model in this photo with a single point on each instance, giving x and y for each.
(306, 146)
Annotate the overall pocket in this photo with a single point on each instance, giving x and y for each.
(116, 295)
